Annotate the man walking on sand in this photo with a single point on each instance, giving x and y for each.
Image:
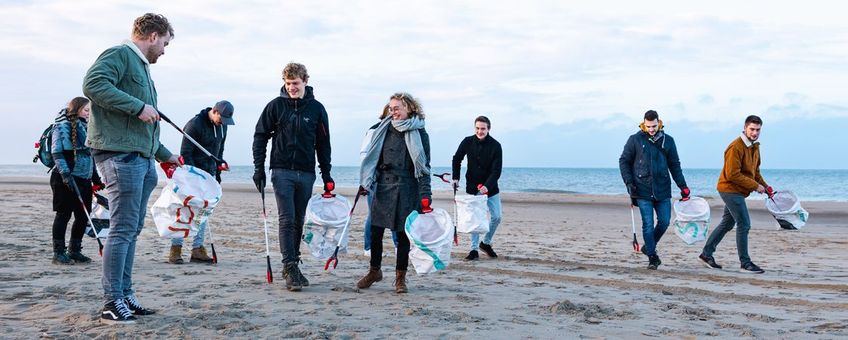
(739, 177)
(209, 128)
(645, 163)
(123, 135)
(485, 162)
(297, 125)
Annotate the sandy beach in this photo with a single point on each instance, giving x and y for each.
(566, 270)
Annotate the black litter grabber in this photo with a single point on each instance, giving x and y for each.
(636, 247)
(334, 259)
(222, 164)
(442, 177)
(73, 186)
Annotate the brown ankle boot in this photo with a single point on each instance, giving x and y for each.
(175, 255)
(374, 275)
(199, 255)
(400, 282)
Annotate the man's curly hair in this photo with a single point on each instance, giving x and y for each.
(149, 23)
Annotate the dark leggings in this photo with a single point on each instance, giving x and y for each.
(377, 248)
(60, 224)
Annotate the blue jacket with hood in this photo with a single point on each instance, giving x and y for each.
(646, 162)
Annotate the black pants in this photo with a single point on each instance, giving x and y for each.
(377, 248)
(65, 203)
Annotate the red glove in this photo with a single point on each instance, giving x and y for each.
(684, 194)
(425, 204)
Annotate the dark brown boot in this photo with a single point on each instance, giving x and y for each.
(400, 282)
(374, 275)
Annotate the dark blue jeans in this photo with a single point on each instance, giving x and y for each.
(653, 233)
(735, 212)
(292, 189)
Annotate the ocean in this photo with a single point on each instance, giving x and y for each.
(809, 185)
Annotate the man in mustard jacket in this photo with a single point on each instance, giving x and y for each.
(739, 177)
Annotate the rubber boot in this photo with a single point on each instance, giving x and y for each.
(374, 275)
(176, 255)
(60, 254)
(75, 252)
(400, 282)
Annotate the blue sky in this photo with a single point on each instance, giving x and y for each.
(563, 83)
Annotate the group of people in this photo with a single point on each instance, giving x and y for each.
(111, 140)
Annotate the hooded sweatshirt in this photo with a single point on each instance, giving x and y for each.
(207, 134)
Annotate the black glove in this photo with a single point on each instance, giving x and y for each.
(328, 181)
(66, 178)
(259, 179)
(218, 177)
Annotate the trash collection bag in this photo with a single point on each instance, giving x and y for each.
(324, 223)
(99, 217)
(691, 219)
(430, 236)
(786, 209)
(472, 214)
(186, 202)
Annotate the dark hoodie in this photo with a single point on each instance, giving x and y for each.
(645, 164)
(299, 130)
(210, 136)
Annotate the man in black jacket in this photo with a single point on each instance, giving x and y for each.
(485, 161)
(645, 163)
(297, 125)
(209, 128)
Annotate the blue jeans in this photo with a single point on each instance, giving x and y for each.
(735, 212)
(494, 204)
(129, 178)
(367, 226)
(651, 234)
(197, 242)
(292, 189)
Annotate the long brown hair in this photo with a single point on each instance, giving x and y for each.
(74, 107)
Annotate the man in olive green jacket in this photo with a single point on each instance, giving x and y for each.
(123, 134)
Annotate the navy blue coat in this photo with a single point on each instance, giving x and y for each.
(645, 166)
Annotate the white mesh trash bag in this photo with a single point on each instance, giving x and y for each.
(185, 203)
(430, 237)
(325, 221)
(691, 219)
(99, 217)
(472, 214)
(786, 209)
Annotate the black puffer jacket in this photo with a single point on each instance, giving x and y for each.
(299, 130)
(485, 162)
(210, 136)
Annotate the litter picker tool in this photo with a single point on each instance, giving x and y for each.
(212, 244)
(442, 177)
(73, 186)
(636, 247)
(335, 258)
(268, 276)
(222, 164)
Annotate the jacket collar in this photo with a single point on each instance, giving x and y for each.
(137, 51)
(748, 142)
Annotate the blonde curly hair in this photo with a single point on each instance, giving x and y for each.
(414, 106)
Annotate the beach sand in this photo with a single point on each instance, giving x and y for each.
(566, 270)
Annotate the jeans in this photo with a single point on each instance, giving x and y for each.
(735, 212)
(197, 242)
(292, 189)
(367, 226)
(129, 178)
(494, 204)
(651, 234)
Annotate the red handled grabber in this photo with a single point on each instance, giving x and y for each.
(334, 259)
(442, 177)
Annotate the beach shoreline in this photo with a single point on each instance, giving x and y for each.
(565, 269)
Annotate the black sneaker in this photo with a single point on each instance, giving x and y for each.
(752, 268)
(116, 312)
(709, 261)
(136, 308)
(654, 262)
(473, 255)
(486, 248)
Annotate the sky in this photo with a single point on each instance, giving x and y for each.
(564, 83)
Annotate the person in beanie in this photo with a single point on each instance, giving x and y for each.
(123, 135)
(396, 173)
(73, 163)
(297, 125)
(739, 176)
(645, 163)
(209, 128)
(485, 162)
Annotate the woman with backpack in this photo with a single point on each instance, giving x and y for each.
(74, 168)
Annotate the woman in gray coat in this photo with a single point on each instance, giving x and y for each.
(396, 170)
